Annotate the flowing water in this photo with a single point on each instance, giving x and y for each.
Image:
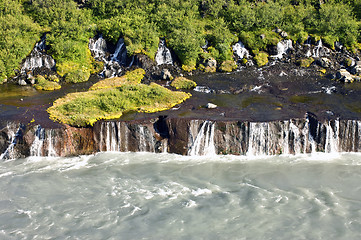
(165, 196)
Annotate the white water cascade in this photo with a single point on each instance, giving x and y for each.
(319, 50)
(36, 148)
(202, 143)
(112, 62)
(13, 133)
(282, 48)
(163, 55)
(240, 50)
(98, 47)
(38, 58)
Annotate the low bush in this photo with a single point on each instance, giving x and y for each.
(46, 85)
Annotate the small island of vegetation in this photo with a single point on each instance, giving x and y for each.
(111, 98)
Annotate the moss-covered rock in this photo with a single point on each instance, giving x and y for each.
(77, 76)
(130, 78)
(261, 59)
(305, 62)
(44, 84)
(228, 66)
(183, 83)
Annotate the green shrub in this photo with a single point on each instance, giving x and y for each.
(261, 59)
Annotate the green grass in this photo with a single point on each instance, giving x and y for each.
(85, 108)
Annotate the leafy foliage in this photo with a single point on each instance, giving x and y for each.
(19, 35)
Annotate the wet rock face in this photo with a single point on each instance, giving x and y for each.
(186, 137)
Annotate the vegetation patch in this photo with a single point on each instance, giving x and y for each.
(130, 78)
(228, 66)
(46, 85)
(85, 108)
(261, 59)
(305, 62)
(183, 83)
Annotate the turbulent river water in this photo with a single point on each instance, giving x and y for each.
(166, 196)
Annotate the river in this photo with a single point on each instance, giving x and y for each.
(168, 196)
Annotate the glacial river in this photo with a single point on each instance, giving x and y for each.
(165, 196)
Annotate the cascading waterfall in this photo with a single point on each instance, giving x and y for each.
(282, 48)
(51, 140)
(38, 58)
(13, 136)
(203, 142)
(240, 50)
(332, 137)
(37, 146)
(319, 50)
(163, 55)
(112, 62)
(98, 48)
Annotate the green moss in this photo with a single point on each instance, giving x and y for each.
(305, 62)
(43, 84)
(77, 76)
(85, 108)
(228, 66)
(130, 78)
(348, 62)
(189, 67)
(183, 83)
(261, 58)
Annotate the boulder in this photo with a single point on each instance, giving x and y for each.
(22, 82)
(356, 70)
(211, 62)
(211, 106)
(284, 34)
(324, 62)
(344, 75)
(166, 75)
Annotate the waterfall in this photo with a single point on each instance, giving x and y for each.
(98, 48)
(112, 62)
(51, 140)
(13, 133)
(319, 50)
(282, 48)
(38, 58)
(203, 142)
(240, 50)
(36, 148)
(332, 137)
(163, 55)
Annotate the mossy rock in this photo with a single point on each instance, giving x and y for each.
(189, 67)
(348, 62)
(183, 83)
(305, 62)
(131, 78)
(261, 59)
(77, 76)
(228, 66)
(209, 69)
(43, 84)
